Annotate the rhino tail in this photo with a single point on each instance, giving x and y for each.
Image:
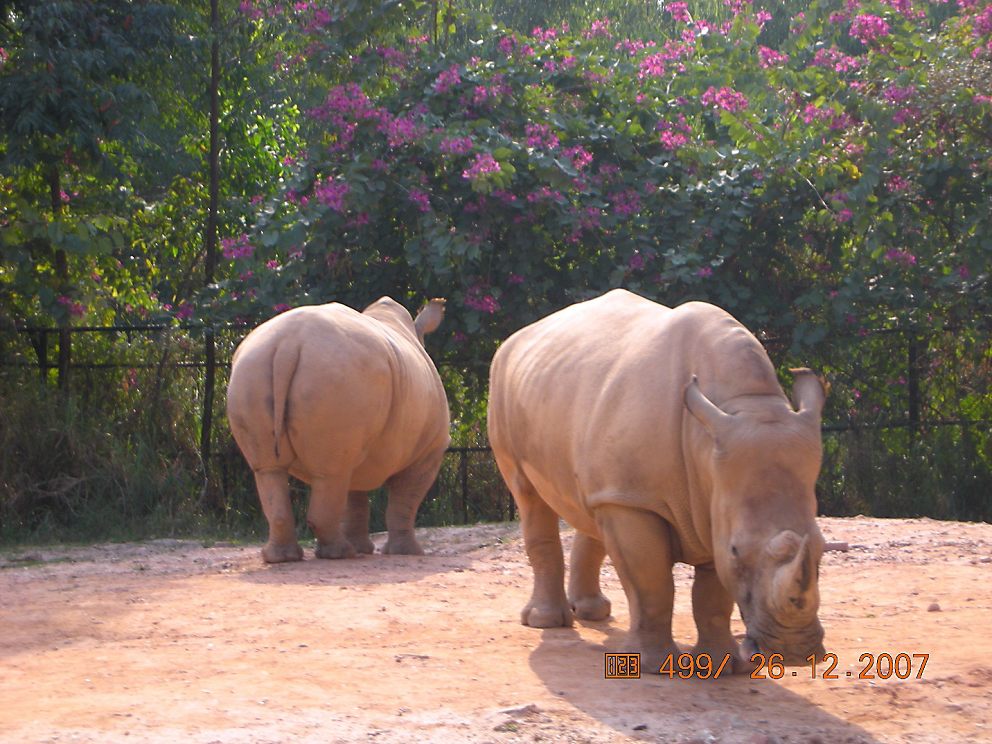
(284, 364)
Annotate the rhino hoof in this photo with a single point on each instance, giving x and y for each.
(282, 553)
(553, 616)
(592, 608)
(402, 546)
(337, 549)
(362, 544)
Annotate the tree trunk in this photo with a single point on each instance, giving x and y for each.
(62, 278)
(209, 495)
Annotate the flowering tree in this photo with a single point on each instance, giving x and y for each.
(840, 180)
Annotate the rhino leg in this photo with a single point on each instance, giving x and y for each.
(548, 606)
(712, 606)
(328, 500)
(640, 546)
(407, 490)
(273, 493)
(584, 595)
(356, 522)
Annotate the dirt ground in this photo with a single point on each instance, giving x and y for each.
(176, 641)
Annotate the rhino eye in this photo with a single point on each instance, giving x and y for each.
(734, 552)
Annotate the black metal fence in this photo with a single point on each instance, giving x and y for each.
(907, 428)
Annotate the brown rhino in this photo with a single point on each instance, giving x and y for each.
(345, 401)
(663, 435)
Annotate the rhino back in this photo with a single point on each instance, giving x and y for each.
(344, 400)
(589, 403)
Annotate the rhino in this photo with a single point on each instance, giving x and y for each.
(661, 435)
(346, 401)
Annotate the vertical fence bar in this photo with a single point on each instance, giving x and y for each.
(913, 384)
(463, 472)
(210, 354)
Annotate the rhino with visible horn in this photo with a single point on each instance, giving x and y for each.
(663, 435)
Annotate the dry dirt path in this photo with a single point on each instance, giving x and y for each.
(172, 641)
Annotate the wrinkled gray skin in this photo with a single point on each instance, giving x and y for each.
(663, 435)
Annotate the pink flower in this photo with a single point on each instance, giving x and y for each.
(545, 193)
(281, 307)
(982, 25)
(679, 11)
(896, 94)
(768, 57)
(272, 264)
(541, 136)
(836, 60)
(705, 271)
(844, 215)
(867, 28)
(897, 184)
(248, 9)
(478, 298)
(727, 99)
(321, 18)
(447, 80)
(391, 56)
(674, 134)
(456, 146)
(813, 113)
(540, 34)
(237, 247)
(331, 193)
(402, 130)
(514, 279)
(905, 8)
(420, 199)
(579, 156)
(75, 309)
(483, 165)
(184, 311)
(652, 66)
(626, 203)
(672, 140)
(599, 27)
(903, 257)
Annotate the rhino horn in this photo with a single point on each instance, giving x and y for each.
(809, 393)
(794, 579)
(705, 410)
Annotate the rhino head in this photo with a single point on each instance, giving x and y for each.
(762, 467)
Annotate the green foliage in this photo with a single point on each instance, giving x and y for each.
(824, 174)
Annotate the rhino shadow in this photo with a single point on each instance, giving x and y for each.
(731, 709)
(365, 569)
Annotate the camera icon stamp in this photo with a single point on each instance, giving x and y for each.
(623, 666)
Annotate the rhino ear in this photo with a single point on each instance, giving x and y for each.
(809, 392)
(706, 412)
(429, 317)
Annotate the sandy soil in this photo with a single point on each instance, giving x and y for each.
(175, 641)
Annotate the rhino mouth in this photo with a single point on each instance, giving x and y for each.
(795, 646)
(790, 655)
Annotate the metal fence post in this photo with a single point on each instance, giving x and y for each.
(463, 471)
